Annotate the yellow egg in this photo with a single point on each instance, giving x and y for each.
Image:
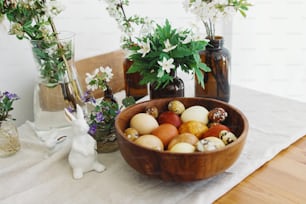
(197, 113)
(194, 127)
(182, 147)
(143, 123)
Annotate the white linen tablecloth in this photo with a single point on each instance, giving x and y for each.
(37, 175)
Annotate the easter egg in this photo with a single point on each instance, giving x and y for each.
(196, 113)
(143, 123)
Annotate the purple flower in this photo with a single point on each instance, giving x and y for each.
(99, 117)
(92, 129)
(88, 97)
(11, 96)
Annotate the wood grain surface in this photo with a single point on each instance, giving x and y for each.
(281, 180)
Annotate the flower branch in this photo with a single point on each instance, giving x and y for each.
(209, 11)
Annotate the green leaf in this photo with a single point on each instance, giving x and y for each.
(180, 52)
(128, 101)
(135, 67)
(200, 77)
(204, 67)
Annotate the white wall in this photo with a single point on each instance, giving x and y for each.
(96, 33)
(268, 47)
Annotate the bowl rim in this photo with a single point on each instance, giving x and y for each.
(240, 139)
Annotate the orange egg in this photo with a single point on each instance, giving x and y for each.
(150, 141)
(165, 132)
(194, 127)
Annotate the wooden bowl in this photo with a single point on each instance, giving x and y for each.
(181, 166)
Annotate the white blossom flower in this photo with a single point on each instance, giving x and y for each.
(89, 78)
(168, 46)
(107, 71)
(166, 65)
(144, 48)
(210, 11)
(188, 39)
(99, 78)
(53, 8)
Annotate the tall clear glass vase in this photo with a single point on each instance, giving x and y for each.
(58, 86)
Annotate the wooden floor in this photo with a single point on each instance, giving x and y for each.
(281, 180)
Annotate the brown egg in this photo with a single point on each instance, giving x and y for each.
(194, 127)
(165, 132)
(217, 115)
(150, 141)
(184, 137)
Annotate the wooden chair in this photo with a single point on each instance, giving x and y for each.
(113, 59)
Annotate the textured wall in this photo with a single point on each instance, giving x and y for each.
(268, 47)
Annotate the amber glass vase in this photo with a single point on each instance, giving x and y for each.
(217, 82)
(132, 86)
(173, 89)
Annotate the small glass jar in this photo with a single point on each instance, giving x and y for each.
(106, 138)
(9, 139)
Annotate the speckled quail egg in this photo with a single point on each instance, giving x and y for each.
(176, 106)
(227, 137)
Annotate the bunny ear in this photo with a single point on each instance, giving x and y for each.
(80, 114)
(69, 116)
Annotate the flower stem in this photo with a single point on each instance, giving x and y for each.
(69, 71)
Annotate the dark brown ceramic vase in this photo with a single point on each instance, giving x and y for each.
(172, 89)
(217, 82)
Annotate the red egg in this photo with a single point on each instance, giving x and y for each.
(214, 130)
(169, 117)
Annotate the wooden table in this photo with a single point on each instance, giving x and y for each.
(281, 180)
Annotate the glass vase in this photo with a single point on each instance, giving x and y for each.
(173, 89)
(106, 138)
(58, 86)
(132, 86)
(217, 82)
(9, 139)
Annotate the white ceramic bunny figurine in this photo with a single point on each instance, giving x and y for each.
(83, 155)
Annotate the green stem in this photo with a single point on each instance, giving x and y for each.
(68, 68)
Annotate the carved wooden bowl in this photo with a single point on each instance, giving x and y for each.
(182, 166)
